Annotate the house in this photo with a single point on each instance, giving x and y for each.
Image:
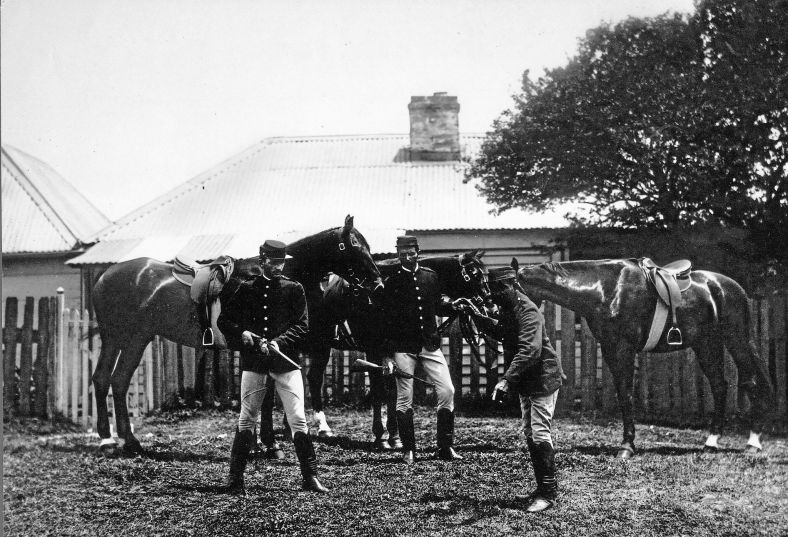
(291, 187)
(46, 222)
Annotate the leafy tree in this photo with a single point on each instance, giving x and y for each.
(664, 122)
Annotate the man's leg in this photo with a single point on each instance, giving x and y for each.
(406, 362)
(437, 371)
(253, 386)
(290, 388)
(542, 453)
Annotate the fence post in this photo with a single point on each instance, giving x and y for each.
(84, 356)
(40, 370)
(61, 403)
(9, 356)
(52, 346)
(26, 357)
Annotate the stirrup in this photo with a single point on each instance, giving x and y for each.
(674, 336)
(207, 337)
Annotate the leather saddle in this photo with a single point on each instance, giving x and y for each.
(669, 281)
(206, 282)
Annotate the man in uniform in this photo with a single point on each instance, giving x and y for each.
(533, 373)
(267, 320)
(411, 299)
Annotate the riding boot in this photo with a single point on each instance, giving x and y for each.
(305, 451)
(408, 435)
(242, 444)
(547, 488)
(445, 435)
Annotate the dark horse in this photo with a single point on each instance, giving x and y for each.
(618, 303)
(363, 326)
(138, 299)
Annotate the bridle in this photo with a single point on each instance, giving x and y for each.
(357, 284)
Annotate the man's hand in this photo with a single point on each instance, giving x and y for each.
(274, 345)
(247, 338)
(501, 391)
(389, 365)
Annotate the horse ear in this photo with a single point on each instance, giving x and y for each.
(348, 223)
(515, 264)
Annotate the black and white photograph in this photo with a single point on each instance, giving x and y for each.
(394, 268)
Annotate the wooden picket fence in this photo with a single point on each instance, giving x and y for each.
(48, 366)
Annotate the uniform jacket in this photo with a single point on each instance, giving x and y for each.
(274, 309)
(533, 365)
(410, 301)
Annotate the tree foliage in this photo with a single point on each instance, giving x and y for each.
(663, 122)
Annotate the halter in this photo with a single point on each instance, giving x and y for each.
(467, 277)
(356, 283)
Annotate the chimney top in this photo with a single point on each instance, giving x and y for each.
(434, 127)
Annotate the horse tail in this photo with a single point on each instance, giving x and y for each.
(737, 330)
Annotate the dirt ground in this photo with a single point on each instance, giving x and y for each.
(56, 483)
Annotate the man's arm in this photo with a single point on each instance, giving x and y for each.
(529, 344)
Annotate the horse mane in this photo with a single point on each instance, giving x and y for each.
(555, 268)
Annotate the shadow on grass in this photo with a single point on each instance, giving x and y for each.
(659, 450)
(484, 448)
(481, 508)
(347, 443)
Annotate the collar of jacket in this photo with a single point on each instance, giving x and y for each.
(415, 269)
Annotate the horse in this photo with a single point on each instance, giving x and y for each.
(362, 325)
(618, 303)
(138, 299)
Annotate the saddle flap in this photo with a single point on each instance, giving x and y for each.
(200, 285)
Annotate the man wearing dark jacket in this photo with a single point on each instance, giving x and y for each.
(266, 319)
(533, 373)
(411, 300)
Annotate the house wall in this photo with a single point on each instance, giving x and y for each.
(40, 276)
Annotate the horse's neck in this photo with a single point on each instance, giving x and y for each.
(574, 289)
(447, 269)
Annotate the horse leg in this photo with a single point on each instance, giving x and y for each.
(101, 381)
(377, 392)
(754, 383)
(320, 357)
(620, 360)
(711, 359)
(130, 357)
(390, 385)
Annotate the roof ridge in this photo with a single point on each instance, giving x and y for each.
(38, 199)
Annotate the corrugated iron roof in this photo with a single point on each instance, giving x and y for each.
(42, 212)
(299, 186)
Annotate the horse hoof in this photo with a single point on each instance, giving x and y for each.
(132, 447)
(380, 445)
(325, 433)
(625, 454)
(711, 449)
(274, 454)
(752, 450)
(109, 451)
(394, 444)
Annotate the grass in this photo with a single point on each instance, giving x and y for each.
(56, 483)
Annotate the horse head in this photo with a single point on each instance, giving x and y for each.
(353, 259)
(473, 275)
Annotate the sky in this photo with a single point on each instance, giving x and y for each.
(128, 100)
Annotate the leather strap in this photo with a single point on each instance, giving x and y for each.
(657, 326)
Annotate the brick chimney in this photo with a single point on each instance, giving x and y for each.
(434, 127)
